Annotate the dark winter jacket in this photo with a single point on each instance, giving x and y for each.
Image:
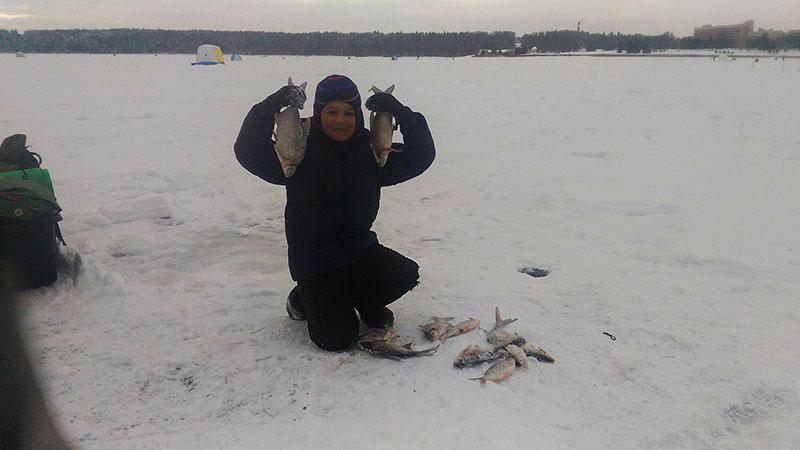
(333, 197)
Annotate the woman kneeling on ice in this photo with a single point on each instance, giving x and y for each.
(332, 199)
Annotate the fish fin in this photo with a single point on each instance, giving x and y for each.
(376, 89)
(499, 322)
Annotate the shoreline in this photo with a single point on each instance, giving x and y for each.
(639, 55)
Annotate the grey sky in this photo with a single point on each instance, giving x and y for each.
(521, 16)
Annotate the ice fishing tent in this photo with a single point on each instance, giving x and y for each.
(208, 54)
(236, 57)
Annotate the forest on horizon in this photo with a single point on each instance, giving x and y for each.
(136, 41)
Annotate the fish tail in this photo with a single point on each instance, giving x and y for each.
(429, 351)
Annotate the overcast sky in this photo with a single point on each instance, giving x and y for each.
(521, 16)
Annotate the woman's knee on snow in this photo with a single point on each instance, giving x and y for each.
(334, 334)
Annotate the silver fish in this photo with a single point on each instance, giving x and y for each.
(393, 350)
(290, 136)
(460, 328)
(437, 328)
(538, 353)
(499, 371)
(381, 129)
(502, 338)
(518, 354)
(474, 355)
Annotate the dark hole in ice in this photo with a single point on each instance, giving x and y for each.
(534, 272)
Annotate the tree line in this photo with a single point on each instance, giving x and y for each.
(253, 42)
(126, 40)
(571, 41)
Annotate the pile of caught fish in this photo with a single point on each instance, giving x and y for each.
(506, 351)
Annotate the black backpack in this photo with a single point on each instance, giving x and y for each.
(14, 154)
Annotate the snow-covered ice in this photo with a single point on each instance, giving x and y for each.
(661, 194)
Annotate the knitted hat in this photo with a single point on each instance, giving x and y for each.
(338, 88)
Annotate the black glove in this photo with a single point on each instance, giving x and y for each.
(285, 96)
(383, 102)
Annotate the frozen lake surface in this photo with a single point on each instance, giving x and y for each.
(661, 194)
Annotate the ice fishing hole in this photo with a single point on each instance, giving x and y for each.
(534, 272)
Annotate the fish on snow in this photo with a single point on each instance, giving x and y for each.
(460, 328)
(474, 355)
(499, 371)
(437, 328)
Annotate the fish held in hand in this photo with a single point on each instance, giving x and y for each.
(538, 353)
(499, 371)
(474, 355)
(381, 129)
(461, 328)
(290, 136)
(437, 328)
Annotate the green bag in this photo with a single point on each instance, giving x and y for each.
(25, 200)
(41, 176)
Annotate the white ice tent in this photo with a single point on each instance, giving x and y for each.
(208, 54)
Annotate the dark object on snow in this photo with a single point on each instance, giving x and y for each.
(28, 231)
(31, 249)
(330, 301)
(534, 272)
(14, 154)
(24, 420)
(613, 338)
(332, 200)
(378, 318)
(294, 305)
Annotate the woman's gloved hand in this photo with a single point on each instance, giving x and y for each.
(383, 102)
(288, 95)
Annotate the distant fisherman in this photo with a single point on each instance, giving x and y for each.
(332, 199)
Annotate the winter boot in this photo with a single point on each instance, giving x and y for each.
(379, 318)
(294, 305)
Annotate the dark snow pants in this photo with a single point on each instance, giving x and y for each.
(330, 301)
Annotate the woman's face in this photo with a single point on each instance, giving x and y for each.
(338, 121)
